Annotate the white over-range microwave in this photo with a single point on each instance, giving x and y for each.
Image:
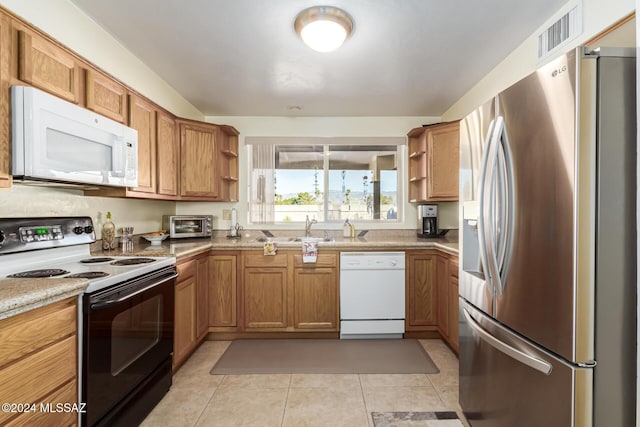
(57, 141)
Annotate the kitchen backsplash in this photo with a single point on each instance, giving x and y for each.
(30, 201)
(146, 215)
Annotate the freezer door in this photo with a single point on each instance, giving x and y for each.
(506, 381)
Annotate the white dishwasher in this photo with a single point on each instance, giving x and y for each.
(372, 303)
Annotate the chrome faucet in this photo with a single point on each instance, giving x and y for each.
(307, 226)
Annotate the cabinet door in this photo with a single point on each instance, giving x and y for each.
(185, 308)
(5, 102)
(453, 313)
(265, 298)
(421, 273)
(44, 65)
(315, 296)
(442, 283)
(168, 154)
(222, 291)
(199, 161)
(202, 292)
(142, 117)
(444, 162)
(106, 96)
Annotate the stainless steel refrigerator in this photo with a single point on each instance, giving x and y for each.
(548, 247)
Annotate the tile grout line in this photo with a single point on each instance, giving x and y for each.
(364, 400)
(286, 400)
(208, 402)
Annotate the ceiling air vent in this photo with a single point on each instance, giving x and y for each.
(565, 29)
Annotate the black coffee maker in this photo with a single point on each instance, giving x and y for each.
(428, 221)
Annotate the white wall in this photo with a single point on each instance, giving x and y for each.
(314, 127)
(25, 201)
(598, 15)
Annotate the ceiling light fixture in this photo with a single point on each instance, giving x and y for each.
(323, 28)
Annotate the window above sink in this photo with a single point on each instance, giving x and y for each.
(328, 179)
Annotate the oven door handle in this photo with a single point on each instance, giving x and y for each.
(100, 305)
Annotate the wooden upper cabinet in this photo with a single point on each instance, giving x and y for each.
(106, 96)
(199, 161)
(168, 154)
(142, 117)
(443, 170)
(44, 65)
(434, 165)
(228, 163)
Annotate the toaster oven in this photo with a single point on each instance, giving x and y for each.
(183, 226)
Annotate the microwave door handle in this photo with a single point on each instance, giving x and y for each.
(118, 157)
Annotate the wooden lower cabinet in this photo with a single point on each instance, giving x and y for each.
(442, 280)
(223, 291)
(421, 313)
(191, 308)
(282, 294)
(39, 362)
(454, 314)
(315, 294)
(202, 299)
(432, 294)
(184, 336)
(265, 298)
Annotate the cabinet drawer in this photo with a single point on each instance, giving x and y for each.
(31, 379)
(186, 270)
(26, 332)
(65, 394)
(259, 260)
(324, 260)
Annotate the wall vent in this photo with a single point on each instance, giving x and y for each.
(565, 29)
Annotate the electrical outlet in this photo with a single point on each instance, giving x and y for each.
(226, 214)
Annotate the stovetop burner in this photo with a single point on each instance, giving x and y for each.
(96, 260)
(48, 272)
(133, 261)
(88, 275)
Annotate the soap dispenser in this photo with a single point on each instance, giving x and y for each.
(346, 229)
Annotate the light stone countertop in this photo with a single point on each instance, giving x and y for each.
(376, 240)
(20, 295)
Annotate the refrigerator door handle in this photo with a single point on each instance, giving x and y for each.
(506, 206)
(482, 225)
(533, 362)
(487, 208)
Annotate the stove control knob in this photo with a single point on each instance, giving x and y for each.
(78, 230)
(2, 237)
(88, 229)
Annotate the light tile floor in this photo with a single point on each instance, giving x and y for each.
(200, 399)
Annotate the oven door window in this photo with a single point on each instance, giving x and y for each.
(134, 332)
(189, 226)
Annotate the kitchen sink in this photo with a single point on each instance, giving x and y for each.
(275, 239)
(293, 239)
